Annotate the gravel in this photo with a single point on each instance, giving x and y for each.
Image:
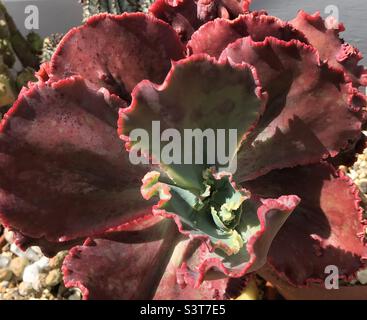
(30, 275)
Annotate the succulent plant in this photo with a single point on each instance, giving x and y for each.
(93, 7)
(13, 47)
(49, 46)
(162, 230)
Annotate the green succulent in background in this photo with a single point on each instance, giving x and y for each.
(8, 92)
(93, 7)
(49, 46)
(14, 47)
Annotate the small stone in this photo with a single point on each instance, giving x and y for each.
(6, 248)
(32, 272)
(8, 296)
(18, 252)
(32, 254)
(39, 285)
(43, 263)
(3, 286)
(363, 185)
(57, 260)
(7, 255)
(5, 274)
(362, 276)
(353, 174)
(77, 295)
(4, 261)
(9, 236)
(18, 265)
(25, 289)
(37, 250)
(53, 278)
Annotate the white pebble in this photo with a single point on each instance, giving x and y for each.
(18, 252)
(362, 276)
(75, 296)
(363, 185)
(33, 271)
(4, 261)
(32, 255)
(353, 175)
(43, 263)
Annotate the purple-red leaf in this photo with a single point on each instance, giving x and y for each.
(179, 283)
(215, 36)
(312, 113)
(327, 228)
(48, 248)
(117, 52)
(186, 16)
(140, 260)
(324, 36)
(63, 171)
(125, 264)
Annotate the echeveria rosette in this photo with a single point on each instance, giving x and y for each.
(295, 76)
(71, 154)
(205, 204)
(67, 182)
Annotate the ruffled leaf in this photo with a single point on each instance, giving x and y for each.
(63, 171)
(138, 261)
(215, 36)
(186, 16)
(312, 113)
(126, 264)
(48, 248)
(327, 228)
(194, 96)
(324, 36)
(234, 248)
(117, 52)
(177, 284)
